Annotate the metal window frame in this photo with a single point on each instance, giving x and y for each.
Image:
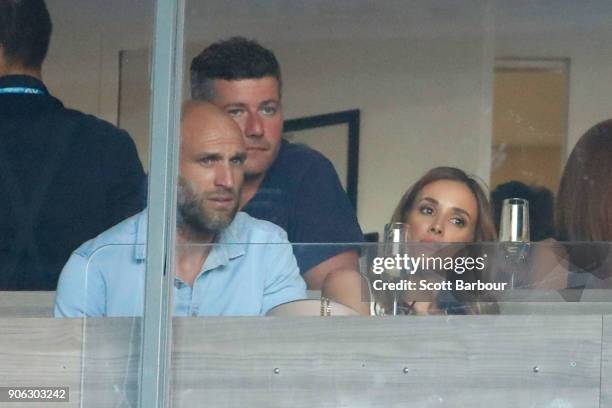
(166, 85)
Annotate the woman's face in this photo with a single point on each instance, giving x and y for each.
(443, 211)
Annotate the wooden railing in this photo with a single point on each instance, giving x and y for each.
(458, 361)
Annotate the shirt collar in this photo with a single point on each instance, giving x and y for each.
(9, 81)
(231, 240)
(231, 246)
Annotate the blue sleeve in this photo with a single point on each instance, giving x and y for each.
(283, 281)
(80, 290)
(324, 215)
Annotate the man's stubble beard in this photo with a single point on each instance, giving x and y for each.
(193, 216)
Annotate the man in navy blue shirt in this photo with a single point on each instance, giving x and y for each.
(291, 185)
(64, 176)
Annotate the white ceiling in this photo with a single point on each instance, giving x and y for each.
(130, 21)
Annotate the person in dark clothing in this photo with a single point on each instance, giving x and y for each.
(292, 186)
(64, 176)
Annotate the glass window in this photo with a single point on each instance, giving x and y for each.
(456, 138)
(73, 167)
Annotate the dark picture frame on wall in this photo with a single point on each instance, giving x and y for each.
(336, 135)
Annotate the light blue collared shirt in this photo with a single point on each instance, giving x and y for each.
(250, 270)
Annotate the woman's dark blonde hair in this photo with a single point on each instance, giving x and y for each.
(485, 228)
(471, 302)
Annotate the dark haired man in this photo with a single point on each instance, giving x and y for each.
(290, 185)
(64, 176)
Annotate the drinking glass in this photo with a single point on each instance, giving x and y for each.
(514, 225)
(514, 238)
(396, 237)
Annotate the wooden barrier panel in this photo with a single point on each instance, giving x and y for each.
(27, 304)
(555, 308)
(459, 361)
(41, 352)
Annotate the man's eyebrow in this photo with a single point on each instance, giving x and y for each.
(268, 101)
(234, 105)
(214, 156)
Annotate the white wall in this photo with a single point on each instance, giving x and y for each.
(419, 71)
(420, 104)
(82, 68)
(415, 71)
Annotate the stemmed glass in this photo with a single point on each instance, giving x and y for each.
(396, 237)
(514, 232)
(514, 225)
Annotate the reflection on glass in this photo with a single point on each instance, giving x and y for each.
(67, 174)
(109, 356)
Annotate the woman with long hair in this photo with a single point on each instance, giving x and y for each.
(447, 206)
(466, 192)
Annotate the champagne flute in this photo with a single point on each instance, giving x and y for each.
(397, 234)
(514, 232)
(514, 225)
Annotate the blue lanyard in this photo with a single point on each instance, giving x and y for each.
(22, 90)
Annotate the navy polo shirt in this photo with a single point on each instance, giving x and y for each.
(302, 194)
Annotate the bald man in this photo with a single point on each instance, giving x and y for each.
(105, 276)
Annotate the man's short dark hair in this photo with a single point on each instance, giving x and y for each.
(25, 31)
(233, 59)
